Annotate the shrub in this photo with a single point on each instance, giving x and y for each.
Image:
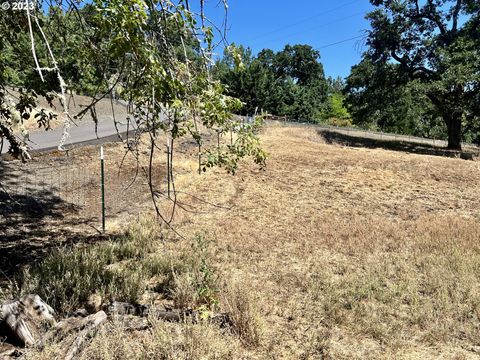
(66, 278)
(118, 269)
(245, 321)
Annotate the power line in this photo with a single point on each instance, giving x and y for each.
(340, 42)
(316, 27)
(301, 21)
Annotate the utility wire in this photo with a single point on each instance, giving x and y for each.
(301, 21)
(315, 27)
(340, 42)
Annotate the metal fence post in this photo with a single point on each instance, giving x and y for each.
(102, 171)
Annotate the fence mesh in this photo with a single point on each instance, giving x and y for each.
(66, 192)
(31, 194)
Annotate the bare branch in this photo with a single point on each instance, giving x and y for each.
(413, 69)
(63, 88)
(33, 44)
(433, 16)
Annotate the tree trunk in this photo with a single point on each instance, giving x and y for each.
(454, 129)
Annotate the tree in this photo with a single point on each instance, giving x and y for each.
(300, 63)
(335, 108)
(290, 82)
(380, 97)
(336, 86)
(253, 83)
(160, 51)
(436, 44)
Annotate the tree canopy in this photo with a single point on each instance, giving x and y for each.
(290, 82)
(424, 60)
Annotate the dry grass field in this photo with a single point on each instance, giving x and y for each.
(352, 253)
(331, 252)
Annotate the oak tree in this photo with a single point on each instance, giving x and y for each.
(435, 43)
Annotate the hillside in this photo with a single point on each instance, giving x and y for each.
(340, 252)
(352, 252)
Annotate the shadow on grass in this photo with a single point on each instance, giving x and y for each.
(34, 219)
(332, 137)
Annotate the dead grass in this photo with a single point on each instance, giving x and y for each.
(245, 321)
(351, 253)
(163, 341)
(340, 252)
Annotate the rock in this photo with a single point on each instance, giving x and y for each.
(222, 320)
(80, 313)
(466, 156)
(118, 308)
(123, 308)
(133, 323)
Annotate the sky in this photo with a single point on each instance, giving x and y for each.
(273, 24)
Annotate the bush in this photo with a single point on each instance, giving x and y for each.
(118, 269)
(69, 276)
(244, 319)
(340, 122)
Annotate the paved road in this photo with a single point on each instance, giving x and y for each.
(83, 133)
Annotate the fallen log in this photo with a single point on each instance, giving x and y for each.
(122, 309)
(118, 308)
(8, 351)
(74, 324)
(90, 324)
(23, 321)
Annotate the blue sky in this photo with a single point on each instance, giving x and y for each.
(274, 23)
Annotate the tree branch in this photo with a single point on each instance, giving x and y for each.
(405, 61)
(401, 60)
(458, 6)
(433, 16)
(32, 41)
(417, 7)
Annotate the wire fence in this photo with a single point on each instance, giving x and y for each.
(66, 194)
(30, 195)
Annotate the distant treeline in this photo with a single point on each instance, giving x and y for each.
(288, 83)
(420, 74)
